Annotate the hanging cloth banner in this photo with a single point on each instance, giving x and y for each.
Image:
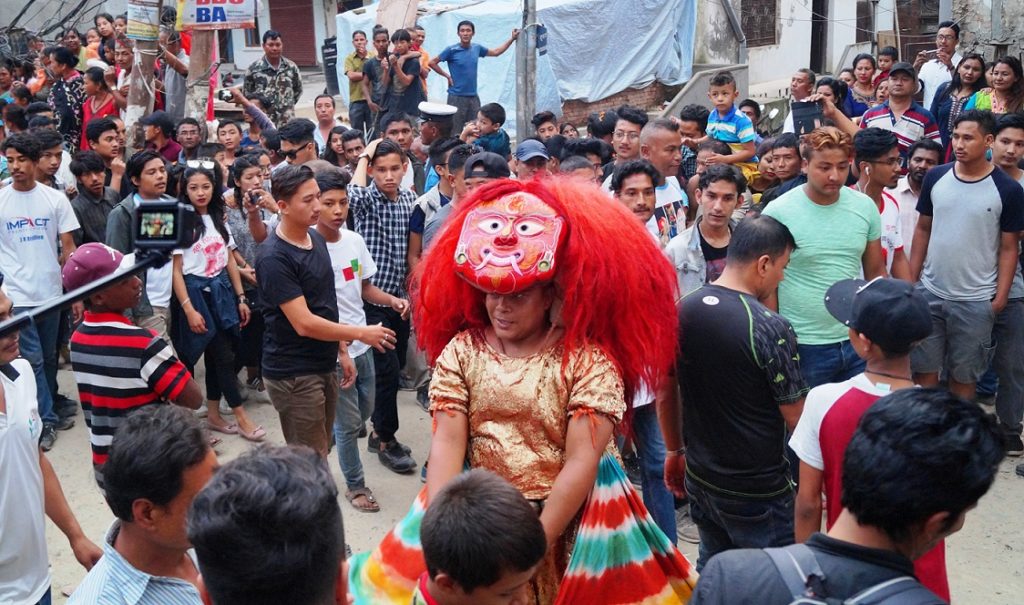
(216, 14)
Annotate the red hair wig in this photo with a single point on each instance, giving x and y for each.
(616, 287)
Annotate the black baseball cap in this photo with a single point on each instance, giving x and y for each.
(160, 119)
(903, 66)
(890, 312)
(486, 165)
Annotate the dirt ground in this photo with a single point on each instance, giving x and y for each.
(985, 560)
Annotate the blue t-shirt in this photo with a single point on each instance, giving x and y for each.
(462, 67)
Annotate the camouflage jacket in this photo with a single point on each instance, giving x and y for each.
(281, 86)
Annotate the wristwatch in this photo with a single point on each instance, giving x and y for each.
(242, 300)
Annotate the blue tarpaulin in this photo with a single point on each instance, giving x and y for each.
(595, 48)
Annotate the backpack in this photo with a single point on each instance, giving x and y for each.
(804, 578)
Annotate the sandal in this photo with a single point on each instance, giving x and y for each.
(369, 502)
(227, 429)
(257, 434)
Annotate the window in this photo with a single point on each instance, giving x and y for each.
(253, 37)
(759, 19)
(864, 24)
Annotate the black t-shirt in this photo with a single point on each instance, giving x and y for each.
(405, 99)
(738, 363)
(749, 576)
(714, 259)
(286, 272)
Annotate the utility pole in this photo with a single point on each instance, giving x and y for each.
(199, 77)
(526, 71)
(141, 88)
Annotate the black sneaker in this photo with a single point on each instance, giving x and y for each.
(65, 407)
(423, 397)
(395, 459)
(48, 438)
(1013, 445)
(362, 432)
(373, 444)
(65, 423)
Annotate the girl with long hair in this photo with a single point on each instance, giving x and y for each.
(1005, 91)
(334, 151)
(211, 305)
(247, 218)
(862, 90)
(99, 101)
(951, 96)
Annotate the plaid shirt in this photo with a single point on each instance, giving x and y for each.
(384, 224)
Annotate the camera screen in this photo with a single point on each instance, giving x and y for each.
(156, 225)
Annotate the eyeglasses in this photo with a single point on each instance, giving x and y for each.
(618, 135)
(891, 162)
(205, 164)
(945, 38)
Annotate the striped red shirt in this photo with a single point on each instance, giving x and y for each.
(120, 367)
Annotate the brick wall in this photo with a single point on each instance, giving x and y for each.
(649, 97)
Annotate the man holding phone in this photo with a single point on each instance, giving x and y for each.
(936, 66)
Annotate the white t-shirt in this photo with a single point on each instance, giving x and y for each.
(208, 256)
(352, 263)
(892, 229)
(670, 205)
(805, 441)
(933, 74)
(30, 225)
(907, 201)
(25, 573)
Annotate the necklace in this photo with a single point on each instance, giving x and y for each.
(887, 375)
(306, 245)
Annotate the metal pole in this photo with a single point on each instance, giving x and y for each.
(526, 71)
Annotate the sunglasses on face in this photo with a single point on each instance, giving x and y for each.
(291, 155)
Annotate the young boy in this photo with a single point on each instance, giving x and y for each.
(886, 318)
(119, 367)
(493, 138)
(94, 201)
(461, 570)
(405, 91)
(303, 341)
(730, 125)
(886, 57)
(353, 267)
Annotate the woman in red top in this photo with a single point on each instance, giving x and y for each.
(99, 101)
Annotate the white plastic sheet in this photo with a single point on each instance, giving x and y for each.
(596, 48)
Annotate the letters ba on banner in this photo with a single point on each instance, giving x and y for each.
(217, 14)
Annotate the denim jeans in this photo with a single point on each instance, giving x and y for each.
(38, 343)
(355, 404)
(822, 364)
(726, 523)
(387, 367)
(650, 450)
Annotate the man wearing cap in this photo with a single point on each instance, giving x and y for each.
(119, 367)
(466, 174)
(435, 124)
(531, 160)
(901, 114)
(740, 387)
(886, 318)
(159, 128)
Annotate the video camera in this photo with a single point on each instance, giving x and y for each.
(158, 228)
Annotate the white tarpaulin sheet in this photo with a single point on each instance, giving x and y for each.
(595, 48)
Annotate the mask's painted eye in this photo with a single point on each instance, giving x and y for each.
(529, 227)
(491, 225)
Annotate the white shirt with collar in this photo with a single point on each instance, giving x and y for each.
(25, 574)
(907, 201)
(933, 74)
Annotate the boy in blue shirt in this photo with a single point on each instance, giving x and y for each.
(493, 138)
(730, 125)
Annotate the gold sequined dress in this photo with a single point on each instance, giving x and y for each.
(519, 410)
